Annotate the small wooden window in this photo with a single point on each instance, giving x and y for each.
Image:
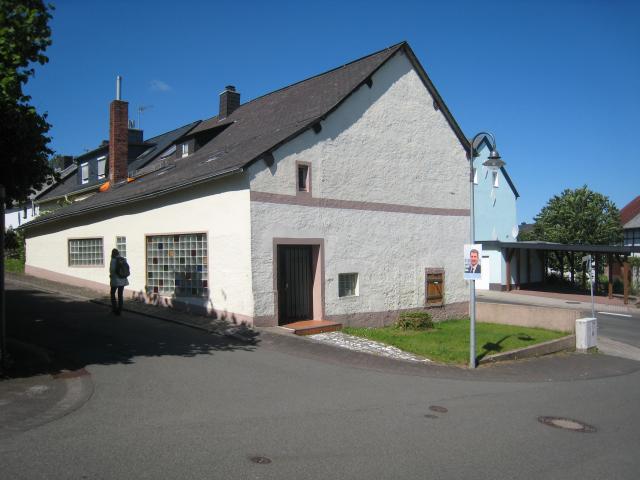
(435, 288)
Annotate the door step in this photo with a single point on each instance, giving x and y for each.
(311, 327)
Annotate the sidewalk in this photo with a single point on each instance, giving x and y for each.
(557, 300)
(209, 324)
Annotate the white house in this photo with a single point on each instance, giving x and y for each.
(342, 197)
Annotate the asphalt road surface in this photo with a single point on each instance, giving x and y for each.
(171, 402)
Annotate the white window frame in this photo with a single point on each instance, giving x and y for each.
(185, 150)
(121, 245)
(84, 167)
(80, 249)
(102, 161)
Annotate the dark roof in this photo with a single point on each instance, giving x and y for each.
(258, 127)
(630, 210)
(155, 147)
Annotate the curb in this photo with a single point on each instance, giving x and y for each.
(567, 343)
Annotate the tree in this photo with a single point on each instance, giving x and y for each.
(579, 216)
(24, 36)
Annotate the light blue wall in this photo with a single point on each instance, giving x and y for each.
(495, 216)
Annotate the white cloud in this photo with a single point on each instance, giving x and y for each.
(160, 86)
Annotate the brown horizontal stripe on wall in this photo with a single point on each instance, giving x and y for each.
(354, 205)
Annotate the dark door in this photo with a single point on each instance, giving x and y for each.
(295, 283)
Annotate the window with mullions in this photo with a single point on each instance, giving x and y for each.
(632, 236)
(121, 245)
(348, 285)
(85, 252)
(178, 265)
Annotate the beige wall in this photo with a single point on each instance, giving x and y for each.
(559, 319)
(220, 209)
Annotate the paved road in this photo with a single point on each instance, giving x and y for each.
(173, 402)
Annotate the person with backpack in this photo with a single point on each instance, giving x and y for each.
(118, 273)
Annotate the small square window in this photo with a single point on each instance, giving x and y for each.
(303, 178)
(348, 285)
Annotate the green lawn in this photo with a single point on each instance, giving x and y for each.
(13, 265)
(448, 342)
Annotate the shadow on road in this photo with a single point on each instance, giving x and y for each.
(50, 334)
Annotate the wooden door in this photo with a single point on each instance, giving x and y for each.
(295, 283)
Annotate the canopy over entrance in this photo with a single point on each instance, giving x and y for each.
(527, 263)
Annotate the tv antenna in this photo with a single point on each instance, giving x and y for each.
(141, 109)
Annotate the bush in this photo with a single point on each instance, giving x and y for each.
(414, 321)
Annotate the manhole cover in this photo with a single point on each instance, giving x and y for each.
(260, 460)
(436, 408)
(567, 424)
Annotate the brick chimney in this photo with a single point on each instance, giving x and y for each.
(229, 101)
(118, 138)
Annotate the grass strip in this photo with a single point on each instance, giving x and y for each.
(448, 342)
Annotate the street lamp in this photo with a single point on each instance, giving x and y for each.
(494, 163)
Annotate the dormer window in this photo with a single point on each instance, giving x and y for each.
(185, 150)
(84, 169)
(102, 161)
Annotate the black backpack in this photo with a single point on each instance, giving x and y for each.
(122, 267)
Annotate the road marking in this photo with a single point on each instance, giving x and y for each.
(616, 314)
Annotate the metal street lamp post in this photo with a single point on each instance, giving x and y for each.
(493, 163)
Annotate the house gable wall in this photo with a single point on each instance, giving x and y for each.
(495, 207)
(390, 198)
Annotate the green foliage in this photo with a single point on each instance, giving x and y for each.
(14, 244)
(414, 321)
(14, 265)
(24, 35)
(579, 216)
(449, 341)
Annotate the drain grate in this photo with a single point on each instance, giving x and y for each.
(437, 408)
(261, 460)
(567, 424)
(429, 415)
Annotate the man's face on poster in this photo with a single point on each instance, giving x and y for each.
(473, 256)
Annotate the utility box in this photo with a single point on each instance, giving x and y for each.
(586, 334)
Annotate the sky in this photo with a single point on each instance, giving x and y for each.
(556, 81)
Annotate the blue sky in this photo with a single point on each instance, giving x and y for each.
(557, 82)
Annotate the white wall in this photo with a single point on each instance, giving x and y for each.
(14, 217)
(386, 145)
(220, 208)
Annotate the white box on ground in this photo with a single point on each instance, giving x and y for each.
(586, 334)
